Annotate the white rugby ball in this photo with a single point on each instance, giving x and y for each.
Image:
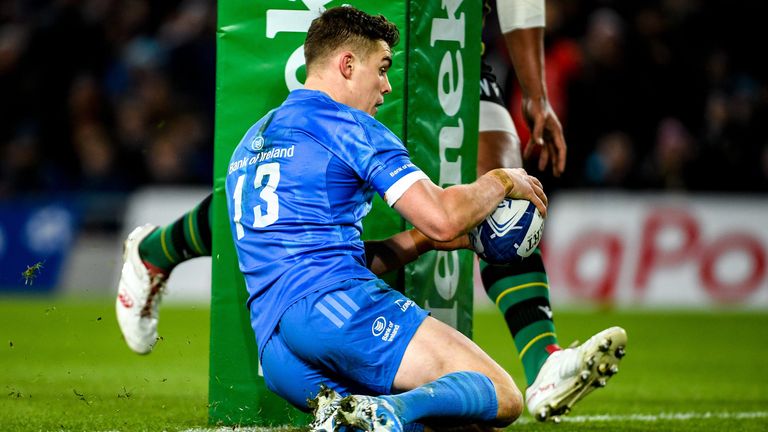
(509, 234)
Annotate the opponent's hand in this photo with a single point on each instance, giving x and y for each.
(547, 133)
(527, 187)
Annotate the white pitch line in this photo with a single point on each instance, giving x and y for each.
(244, 429)
(605, 418)
(682, 416)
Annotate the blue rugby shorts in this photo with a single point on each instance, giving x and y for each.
(351, 339)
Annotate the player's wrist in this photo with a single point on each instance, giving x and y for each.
(537, 99)
(501, 176)
(421, 242)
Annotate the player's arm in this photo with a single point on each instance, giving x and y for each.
(445, 214)
(383, 256)
(522, 23)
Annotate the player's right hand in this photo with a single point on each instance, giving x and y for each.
(546, 133)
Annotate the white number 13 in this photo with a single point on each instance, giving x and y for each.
(268, 194)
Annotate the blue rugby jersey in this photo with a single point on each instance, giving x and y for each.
(298, 186)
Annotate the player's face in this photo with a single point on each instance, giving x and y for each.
(370, 80)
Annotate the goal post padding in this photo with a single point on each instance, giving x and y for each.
(433, 108)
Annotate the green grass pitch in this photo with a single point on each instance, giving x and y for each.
(63, 366)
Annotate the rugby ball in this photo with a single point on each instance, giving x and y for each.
(509, 234)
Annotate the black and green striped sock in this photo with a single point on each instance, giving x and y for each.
(186, 238)
(521, 291)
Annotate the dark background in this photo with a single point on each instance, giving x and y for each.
(101, 97)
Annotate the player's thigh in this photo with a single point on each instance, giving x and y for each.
(292, 378)
(358, 330)
(438, 349)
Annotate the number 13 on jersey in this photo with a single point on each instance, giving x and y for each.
(268, 194)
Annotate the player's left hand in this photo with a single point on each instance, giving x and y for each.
(547, 133)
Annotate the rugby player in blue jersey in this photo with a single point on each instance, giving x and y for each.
(298, 186)
(556, 377)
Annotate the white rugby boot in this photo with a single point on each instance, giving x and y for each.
(139, 293)
(324, 408)
(568, 375)
(369, 414)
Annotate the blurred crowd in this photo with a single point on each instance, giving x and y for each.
(108, 95)
(105, 95)
(663, 94)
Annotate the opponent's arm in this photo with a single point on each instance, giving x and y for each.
(445, 214)
(523, 26)
(383, 256)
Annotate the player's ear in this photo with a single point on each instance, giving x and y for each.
(346, 64)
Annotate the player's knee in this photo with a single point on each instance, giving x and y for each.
(510, 401)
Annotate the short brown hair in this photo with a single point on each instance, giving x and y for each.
(346, 25)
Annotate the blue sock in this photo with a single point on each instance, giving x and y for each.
(469, 395)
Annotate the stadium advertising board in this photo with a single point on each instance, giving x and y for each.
(658, 250)
(36, 238)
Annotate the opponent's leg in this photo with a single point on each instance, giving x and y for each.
(557, 378)
(521, 292)
(186, 238)
(569, 375)
(149, 255)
